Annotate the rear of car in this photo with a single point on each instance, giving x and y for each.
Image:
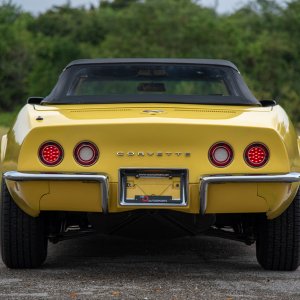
(182, 140)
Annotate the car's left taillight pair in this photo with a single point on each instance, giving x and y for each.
(52, 153)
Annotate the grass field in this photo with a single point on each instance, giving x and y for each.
(7, 118)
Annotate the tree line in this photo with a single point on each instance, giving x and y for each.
(261, 38)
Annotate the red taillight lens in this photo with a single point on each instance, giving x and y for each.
(256, 155)
(220, 154)
(51, 154)
(86, 153)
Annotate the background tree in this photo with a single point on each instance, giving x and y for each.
(14, 55)
(262, 38)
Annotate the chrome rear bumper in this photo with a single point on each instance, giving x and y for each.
(206, 180)
(100, 178)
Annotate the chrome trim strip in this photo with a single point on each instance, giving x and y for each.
(206, 180)
(102, 179)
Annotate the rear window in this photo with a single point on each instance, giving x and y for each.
(155, 79)
(150, 83)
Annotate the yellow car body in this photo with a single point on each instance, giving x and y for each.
(130, 130)
(182, 140)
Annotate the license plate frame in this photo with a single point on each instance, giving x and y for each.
(158, 178)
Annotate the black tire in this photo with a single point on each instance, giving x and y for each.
(278, 240)
(23, 238)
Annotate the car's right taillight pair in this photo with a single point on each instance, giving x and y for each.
(256, 155)
(52, 153)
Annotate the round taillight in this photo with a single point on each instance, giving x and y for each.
(51, 153)
(256, 155)
(220, 154)
(86, 153)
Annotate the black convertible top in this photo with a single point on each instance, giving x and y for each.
(213, 62)
(151, 80)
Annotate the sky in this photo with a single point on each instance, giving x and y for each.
(35, 7)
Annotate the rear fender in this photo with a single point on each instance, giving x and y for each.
(3, 147)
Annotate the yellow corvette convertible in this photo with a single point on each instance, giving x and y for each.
(150, 146)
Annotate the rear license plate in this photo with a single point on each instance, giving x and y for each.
(156, 187)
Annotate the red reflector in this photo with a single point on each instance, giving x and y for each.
(220, 154)
(86, 153)
(51, 154)
(256, 155)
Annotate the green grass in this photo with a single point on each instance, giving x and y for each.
(7, 118)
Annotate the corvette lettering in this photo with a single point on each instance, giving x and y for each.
(149, 154)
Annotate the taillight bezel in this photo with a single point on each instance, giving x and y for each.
(257, 144)
(42, 158)
(79, 160)
(214, 161)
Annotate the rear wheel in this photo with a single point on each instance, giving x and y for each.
(278, 240)
(23, 238)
